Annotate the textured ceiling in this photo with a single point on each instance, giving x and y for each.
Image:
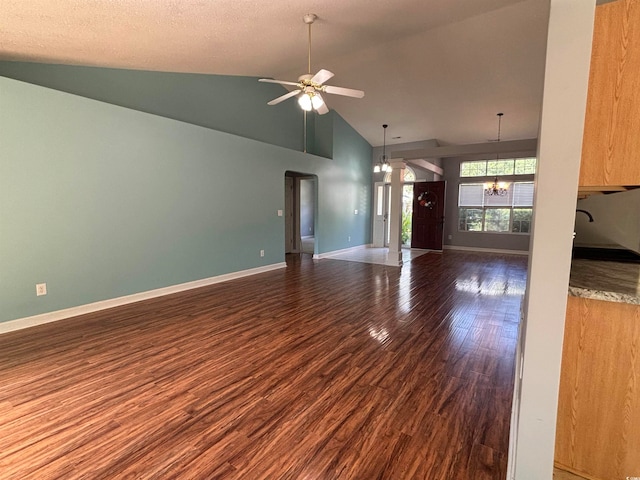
(430, 68)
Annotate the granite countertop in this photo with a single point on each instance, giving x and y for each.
(605, 280)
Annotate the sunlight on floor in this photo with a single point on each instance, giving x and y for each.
(378, 256)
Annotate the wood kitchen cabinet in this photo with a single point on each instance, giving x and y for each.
(611, 144)
(598, 426)
(598, 430)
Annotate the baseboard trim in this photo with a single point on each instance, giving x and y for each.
(26, 322)
(502, 251)
(320, 256)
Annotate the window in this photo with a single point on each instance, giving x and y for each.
(409, 175)
(497, 219)
(496, 168)
(470, 219)
(525, 166)
(380, 197)
(521, 222)
(473, 169)
(499, 167)
(482, 213)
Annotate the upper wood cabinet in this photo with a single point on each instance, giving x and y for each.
(611, 145)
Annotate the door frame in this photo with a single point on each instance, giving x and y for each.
(381, 211)
(293, 209)
(290, 244)
(380, 214)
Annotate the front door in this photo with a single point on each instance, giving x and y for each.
(428, 215)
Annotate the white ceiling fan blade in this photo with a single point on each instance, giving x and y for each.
(349, 92)
(322, 109)
(322, 76)
(282, 98)
(281, 82)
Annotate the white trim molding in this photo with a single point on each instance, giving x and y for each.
(502, 251)
(504, 147)
(21, 323)
(320, 256)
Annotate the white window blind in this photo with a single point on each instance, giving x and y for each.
(498, 201)
(523, 194)
(471, 195)
(519, 194)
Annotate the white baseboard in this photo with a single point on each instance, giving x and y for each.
(49, 317)
(487, 250)
(338, 252)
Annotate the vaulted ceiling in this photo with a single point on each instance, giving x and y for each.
(430, 68)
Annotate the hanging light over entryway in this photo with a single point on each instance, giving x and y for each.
(383, 164)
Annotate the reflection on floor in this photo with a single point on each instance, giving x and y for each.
(378, 256)
(308, 244)
(320, 370)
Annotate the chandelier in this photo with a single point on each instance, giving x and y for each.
(497, 189)
(383, 165)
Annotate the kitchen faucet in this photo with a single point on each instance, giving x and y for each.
(586, 213)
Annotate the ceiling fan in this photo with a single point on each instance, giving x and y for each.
(310, 87)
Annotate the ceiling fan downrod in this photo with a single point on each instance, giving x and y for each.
(309, 18)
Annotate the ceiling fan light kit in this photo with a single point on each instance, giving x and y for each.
(309, 86)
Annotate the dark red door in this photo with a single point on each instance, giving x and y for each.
(427, 222)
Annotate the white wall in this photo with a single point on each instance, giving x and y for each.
(559, 149)
(616, 221)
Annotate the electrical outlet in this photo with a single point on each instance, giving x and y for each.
(41, 289)
(349, 238)
(355, 212)
(262, 253)
(279, 213)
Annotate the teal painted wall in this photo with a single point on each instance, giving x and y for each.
(101, 201)
(343, 187)
(229, 104)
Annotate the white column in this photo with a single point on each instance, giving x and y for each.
(559, 149)
(395, 215)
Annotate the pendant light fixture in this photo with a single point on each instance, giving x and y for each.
(496, 188)
(383, 165)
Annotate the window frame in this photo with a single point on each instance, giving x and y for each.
(485, 170)
(511, 207)
(408, 171)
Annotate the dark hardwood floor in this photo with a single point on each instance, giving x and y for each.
(323, 370)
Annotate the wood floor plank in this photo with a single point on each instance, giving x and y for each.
(326, 369)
